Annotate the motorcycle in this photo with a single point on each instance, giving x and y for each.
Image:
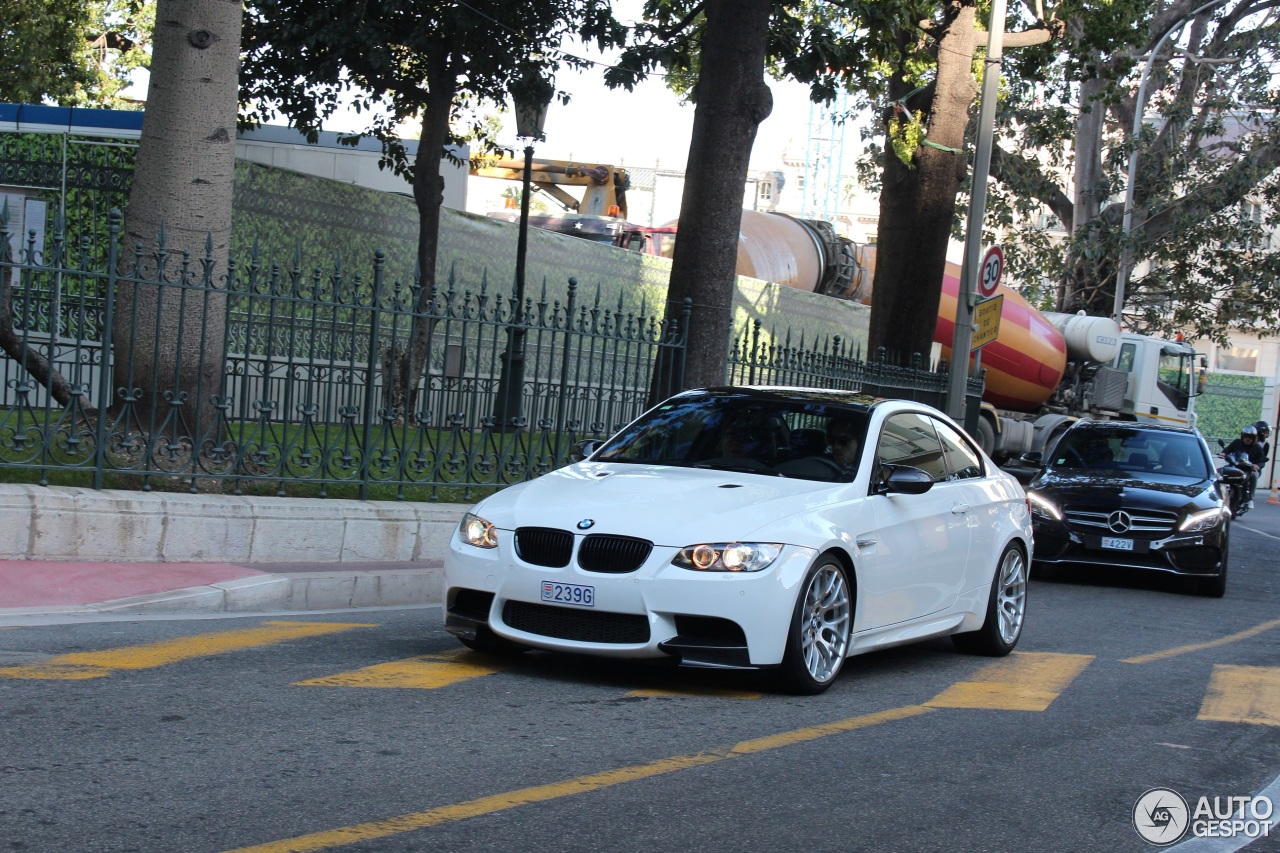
(1234, 476)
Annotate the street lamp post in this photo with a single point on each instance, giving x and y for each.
(1122, 271)
(531, 103)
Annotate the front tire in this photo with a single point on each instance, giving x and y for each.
(1216, 587)
(490, 643)
(821, 625)
(1006, 609)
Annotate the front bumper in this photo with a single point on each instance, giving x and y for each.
(1191, 554)
(713, 619)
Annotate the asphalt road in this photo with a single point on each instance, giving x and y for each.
(372, 731)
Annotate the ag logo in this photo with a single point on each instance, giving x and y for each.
(1161, 816)
(586, 524)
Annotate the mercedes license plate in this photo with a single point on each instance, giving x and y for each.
(1117, 544)
(569, 593)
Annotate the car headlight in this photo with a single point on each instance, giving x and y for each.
(477, 531)
(1204, 520)
(1043, 507)
(728, 556)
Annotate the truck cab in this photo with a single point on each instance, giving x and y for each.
(1161, 379)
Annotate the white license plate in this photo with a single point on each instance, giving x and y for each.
(569, 593)
(1117, 544)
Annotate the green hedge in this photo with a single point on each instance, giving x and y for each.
(1228, 403)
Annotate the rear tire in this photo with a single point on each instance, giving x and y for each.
(1006, 609)
(821, 626)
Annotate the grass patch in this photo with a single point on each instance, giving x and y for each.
(393, 462)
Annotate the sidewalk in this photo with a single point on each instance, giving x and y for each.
(49, 587)
(67, 552)
(60, 588)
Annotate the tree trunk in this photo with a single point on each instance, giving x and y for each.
(732, 100)
(428, 195)
(918, 201)
(30, 358)
(1088, 195)
(168, 341)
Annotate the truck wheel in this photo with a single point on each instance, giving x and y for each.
(986, 436)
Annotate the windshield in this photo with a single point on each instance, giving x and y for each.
(1158, 452)
(804, 439)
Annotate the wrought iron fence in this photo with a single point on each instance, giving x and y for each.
(759, 359)
(266, 376)
(150, 369)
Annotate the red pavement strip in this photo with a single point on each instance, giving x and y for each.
(32, 583)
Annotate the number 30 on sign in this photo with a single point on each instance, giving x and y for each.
(989, 275)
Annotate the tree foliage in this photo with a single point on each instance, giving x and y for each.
(72, 52)
(1207, 188)
(396, 61)
(910, 63)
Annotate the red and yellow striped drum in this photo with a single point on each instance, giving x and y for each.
(1025, 364)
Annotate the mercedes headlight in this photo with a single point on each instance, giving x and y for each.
(1043, 507)
(728, 556)
(477, 531)
(1203, 520)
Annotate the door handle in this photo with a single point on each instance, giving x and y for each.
(959, 509)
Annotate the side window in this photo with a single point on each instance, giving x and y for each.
(963, 462)
(909, 439)
(1124, 361)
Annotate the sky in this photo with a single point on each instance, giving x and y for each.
(640, 128)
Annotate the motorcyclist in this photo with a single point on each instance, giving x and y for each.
(1248, 446)
(1264, 433)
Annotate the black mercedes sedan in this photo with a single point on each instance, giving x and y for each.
(1131, 495)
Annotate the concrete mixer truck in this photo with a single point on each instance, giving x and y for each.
(1046, 369)
(1043, 371)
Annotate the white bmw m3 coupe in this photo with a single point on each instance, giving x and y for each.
(755, 528)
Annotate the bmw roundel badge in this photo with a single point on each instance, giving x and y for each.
(586, 524)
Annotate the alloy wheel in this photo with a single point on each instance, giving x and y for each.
(1011, 595)
(825, 622)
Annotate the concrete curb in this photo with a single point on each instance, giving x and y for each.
(292, 591)
(76, 524)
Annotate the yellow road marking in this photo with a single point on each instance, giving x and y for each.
(1243, 694)
(82, 665)
(709, 692)
(1024, 681)
(1196, 647)
(583, 784)
(426, 672)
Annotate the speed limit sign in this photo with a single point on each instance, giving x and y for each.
(989, 275)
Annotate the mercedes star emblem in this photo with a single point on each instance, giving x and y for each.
(1120, 521)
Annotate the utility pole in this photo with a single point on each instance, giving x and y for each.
(962, 338)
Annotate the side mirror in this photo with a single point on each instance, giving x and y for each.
(1032, 458)
(582, 449)
(1222, 444)
(905, 480)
